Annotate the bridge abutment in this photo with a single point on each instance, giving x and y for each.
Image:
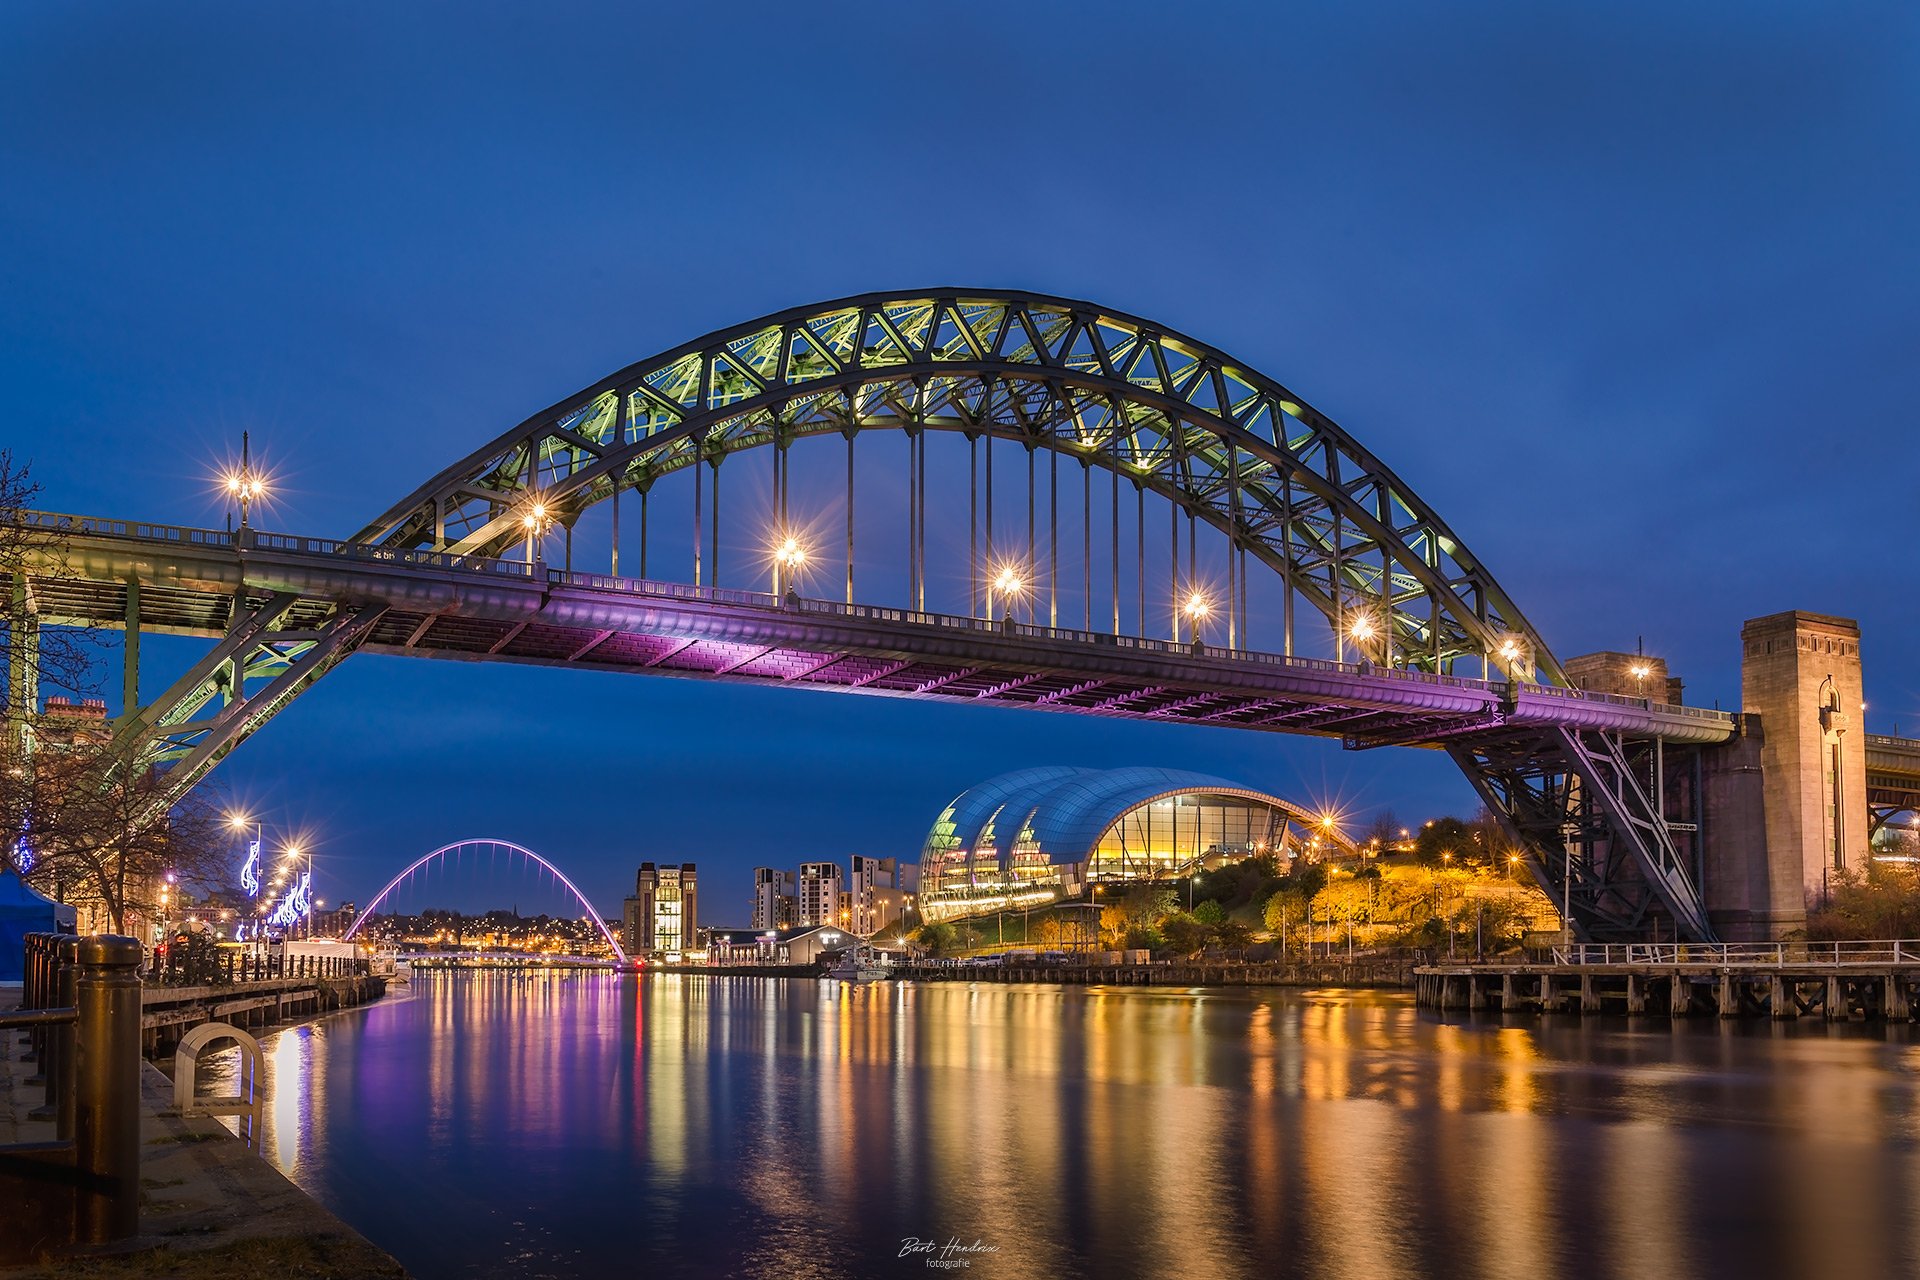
(1801, 674)
(1786, 799)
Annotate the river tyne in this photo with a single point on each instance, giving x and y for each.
(490, 1124)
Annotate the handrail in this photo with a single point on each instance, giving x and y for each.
(294, 544)
(1901, 951)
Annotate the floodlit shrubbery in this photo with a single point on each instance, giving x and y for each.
(1882, 903)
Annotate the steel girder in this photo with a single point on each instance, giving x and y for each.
(270, 653)
(1229, 445)
(1593, 836)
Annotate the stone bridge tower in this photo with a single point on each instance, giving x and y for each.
(1800, 672)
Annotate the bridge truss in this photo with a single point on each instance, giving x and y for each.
(1421, 646)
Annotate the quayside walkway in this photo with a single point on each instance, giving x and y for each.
(1838, 981)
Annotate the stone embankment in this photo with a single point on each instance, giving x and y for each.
(211, 1208)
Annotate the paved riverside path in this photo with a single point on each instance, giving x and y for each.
(209, 1207)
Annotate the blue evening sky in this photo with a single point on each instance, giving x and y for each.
(1628, 292)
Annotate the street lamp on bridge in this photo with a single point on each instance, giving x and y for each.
(789, 562)
(244, 485)
(1011, 585)
(536, 517)
(1197, 608)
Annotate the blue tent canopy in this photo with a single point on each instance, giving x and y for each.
(23, 911)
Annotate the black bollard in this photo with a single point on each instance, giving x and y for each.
(106, 1090)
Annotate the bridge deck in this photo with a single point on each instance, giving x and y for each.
(477, 609)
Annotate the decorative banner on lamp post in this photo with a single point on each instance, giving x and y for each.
(297, 905)
(250, 870)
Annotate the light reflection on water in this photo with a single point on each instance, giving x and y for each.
(496, 1124)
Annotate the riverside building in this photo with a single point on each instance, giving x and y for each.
(820, 891)
(662, 916)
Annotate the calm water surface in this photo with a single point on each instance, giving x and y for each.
(494, 1125)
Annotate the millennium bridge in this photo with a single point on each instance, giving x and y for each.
(1292, 581)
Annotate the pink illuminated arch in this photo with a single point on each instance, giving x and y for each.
(524, 852)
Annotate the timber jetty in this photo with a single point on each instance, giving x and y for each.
(1314, 973)
(1839, 981)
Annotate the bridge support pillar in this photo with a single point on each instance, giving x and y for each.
(1894, 1005)
(23, 665)
(1787, 800)
(1780, 1003)
(1589, 994)
(1836, 1001)
(1636, 993)
(130, 653)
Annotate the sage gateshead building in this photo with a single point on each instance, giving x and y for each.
(1035, 835)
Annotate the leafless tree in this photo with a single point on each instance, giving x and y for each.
(92, 840)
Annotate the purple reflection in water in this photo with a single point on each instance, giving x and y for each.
(494, 1124)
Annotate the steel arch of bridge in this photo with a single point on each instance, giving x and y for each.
(1230, 446)
(520, 849)
(1170, 415)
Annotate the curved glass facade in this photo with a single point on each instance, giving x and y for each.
(1028, 837)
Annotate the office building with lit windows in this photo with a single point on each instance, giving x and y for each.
(1035, 835)
(663, 915)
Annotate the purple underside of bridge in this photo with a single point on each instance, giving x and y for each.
(502, 613)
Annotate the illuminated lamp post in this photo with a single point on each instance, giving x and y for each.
(789, 561)
(1362, 631)
(1513, 655)
(1197, 608)
(245, 486)
(1011, 586)
(536, 518)
(250, 869)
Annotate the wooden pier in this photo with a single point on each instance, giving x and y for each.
(1836, 982)
(167, 1013)
(1315, 973)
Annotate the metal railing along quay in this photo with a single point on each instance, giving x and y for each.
(235, 966)
(81, 1002)
(1738, 954)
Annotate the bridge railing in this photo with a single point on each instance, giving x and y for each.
(286, 542)
(262, 540)
(1735, 954)
(55, 522)
(1897, 744)
(1622, 700)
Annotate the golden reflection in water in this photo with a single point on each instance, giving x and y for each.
(805, 1128)
(297, 1098)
